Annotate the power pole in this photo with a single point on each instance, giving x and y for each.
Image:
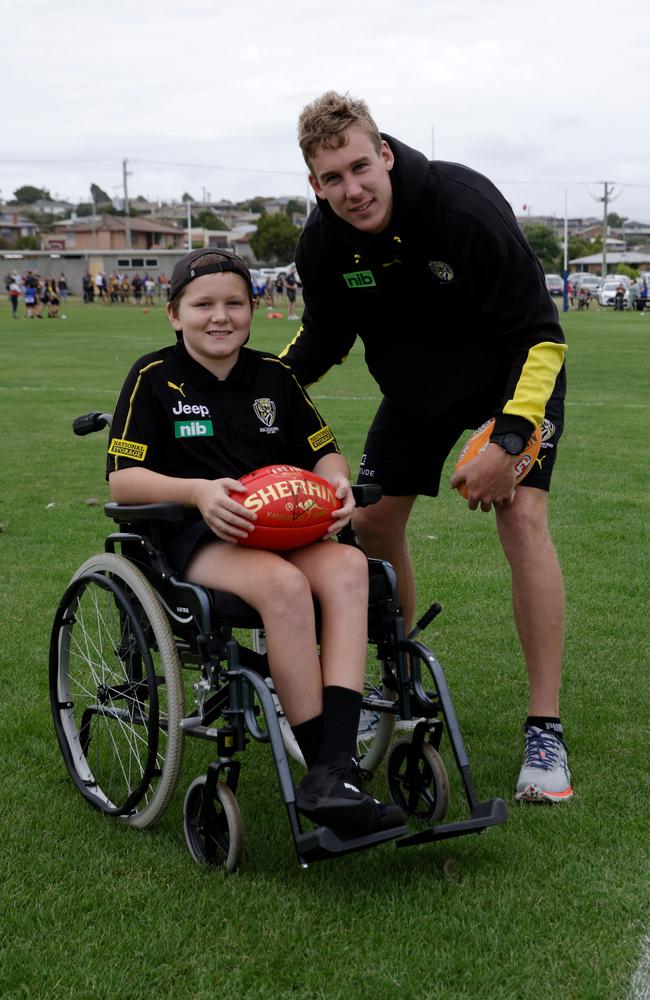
(607, 191)
(125, 174)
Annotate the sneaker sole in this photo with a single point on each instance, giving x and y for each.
(533, 793)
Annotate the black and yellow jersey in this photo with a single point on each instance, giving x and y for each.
(449, 301)
(174, 417)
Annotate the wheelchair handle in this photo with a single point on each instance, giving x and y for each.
(88, 423)
(365, 494)
(425, 620)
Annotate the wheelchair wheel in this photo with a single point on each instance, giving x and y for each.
(375, 732)
(116, 691)
(421, 788)
(214, 831)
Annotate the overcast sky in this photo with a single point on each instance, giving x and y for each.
(543, 97)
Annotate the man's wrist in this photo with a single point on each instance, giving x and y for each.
(512, 443)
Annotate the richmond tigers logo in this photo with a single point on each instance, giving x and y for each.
(265, 411)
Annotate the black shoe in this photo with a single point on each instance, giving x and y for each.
(388, 816)
(330, 795)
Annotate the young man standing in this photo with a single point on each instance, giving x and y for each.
(426, 263)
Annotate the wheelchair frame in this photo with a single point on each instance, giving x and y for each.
(126, 689)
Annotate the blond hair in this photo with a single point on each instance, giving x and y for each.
(326, 120)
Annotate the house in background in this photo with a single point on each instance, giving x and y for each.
(13, 226)
(112, 232)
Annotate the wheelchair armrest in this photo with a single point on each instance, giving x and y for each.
(365, 494)
(128, 512)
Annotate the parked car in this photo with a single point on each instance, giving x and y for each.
(622, 279)
(607, 293)
(591, 282)
(554, 284)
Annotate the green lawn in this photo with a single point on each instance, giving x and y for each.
(555, 902)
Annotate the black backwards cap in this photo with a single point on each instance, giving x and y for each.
(184, 270)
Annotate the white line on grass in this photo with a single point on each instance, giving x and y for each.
(60, 388)
(641, 978)
(606, 402)
(345, 399)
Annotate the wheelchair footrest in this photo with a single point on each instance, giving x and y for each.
(484, 814)
(321, 842)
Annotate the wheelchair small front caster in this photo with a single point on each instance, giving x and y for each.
(214, 831)
(417, 780)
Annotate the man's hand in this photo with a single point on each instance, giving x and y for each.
(489, 478)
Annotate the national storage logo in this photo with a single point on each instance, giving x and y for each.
(193, 428)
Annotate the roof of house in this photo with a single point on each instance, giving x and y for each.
(115, 223)
(614, 257)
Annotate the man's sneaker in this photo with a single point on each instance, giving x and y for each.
(330, 795)
(545, 776)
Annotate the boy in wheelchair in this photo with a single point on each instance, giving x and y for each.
(190, 420)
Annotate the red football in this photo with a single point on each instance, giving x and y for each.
(479, 441)
(294, 507)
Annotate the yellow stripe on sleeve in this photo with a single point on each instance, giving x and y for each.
(154, 364)
(536, 381)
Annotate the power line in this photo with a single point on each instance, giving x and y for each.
(216, 166)
(165, 163)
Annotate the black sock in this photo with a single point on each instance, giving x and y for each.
(341, 711)
(550, 723)
(309, 736)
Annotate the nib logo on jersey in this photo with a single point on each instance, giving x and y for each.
(192, 428)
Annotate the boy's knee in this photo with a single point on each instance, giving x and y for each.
(286, 585)
(353, 566)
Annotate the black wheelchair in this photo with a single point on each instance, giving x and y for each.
(130, 640)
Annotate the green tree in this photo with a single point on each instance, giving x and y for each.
(187, 197)
(28, 243)
(275, 238)
(99, 196)
(626, 269)
(256, 204)
(295, 205)
(207, 219)
(544, 244)
(28, 194)
(615, 220)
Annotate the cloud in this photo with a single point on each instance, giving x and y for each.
(541, 95)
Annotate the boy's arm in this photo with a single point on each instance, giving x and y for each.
(335, 469)
(228, 519)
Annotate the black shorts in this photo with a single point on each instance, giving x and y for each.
(291, 294)
(182, 541)
(404, 453)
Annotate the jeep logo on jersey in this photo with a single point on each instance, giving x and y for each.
(359, 279)
(441, 270)
(265, 411)
(193, 428)
(190, 410)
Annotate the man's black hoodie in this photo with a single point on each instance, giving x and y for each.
(448, 300)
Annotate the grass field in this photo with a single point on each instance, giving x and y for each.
(553, 903)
